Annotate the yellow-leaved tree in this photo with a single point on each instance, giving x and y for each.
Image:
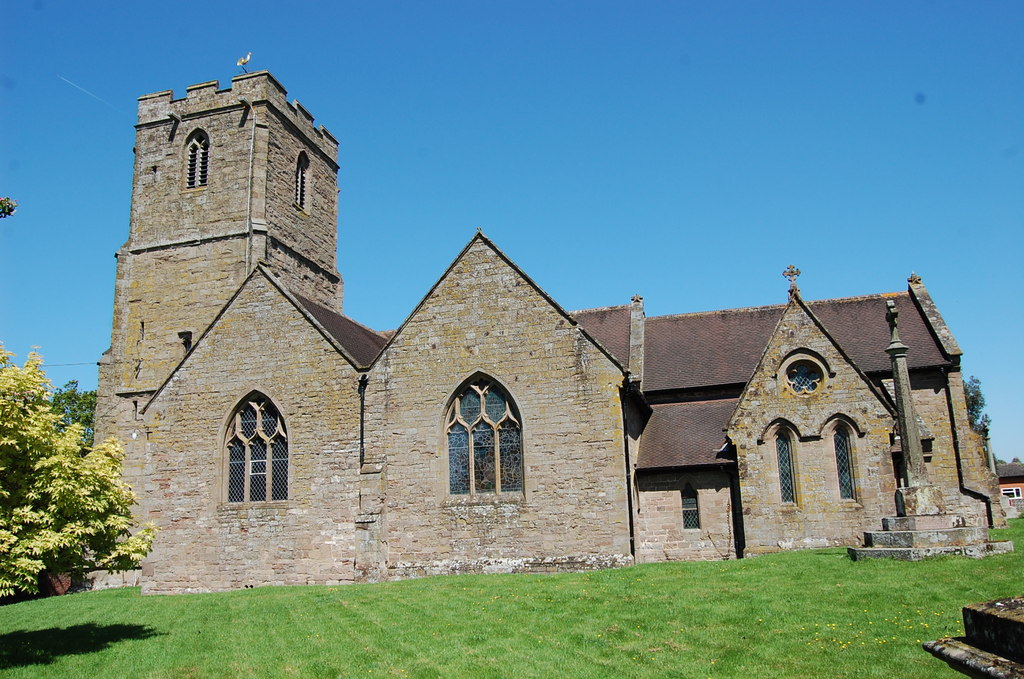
(64, 508)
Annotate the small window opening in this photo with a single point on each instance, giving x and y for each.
(198, 161)
(301, 170)
(691, 508)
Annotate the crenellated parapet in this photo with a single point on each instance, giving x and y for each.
(257, 89)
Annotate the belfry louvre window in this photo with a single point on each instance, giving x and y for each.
(301, 170)
(257, 445)
(787, 484)
(485, 442)
(691, 509)
(844, 463)
(198, 170)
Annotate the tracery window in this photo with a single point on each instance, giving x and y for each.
(691, 509)
(485, 442)
(198, 170)
(844, 462)
(301, 170)
(804, 377)
(257, 445)
(787, 482)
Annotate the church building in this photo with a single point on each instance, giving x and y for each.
(275, 440)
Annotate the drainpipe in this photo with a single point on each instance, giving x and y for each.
(248, 192)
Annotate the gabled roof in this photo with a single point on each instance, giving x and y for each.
(610, 326)
(1009, 469)
(479, 237)
(362, 343)
(686, 434)
(723, 347)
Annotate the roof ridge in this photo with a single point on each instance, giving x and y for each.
(601, 308)
(764, 307)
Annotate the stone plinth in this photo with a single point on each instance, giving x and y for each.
(912, 538)
(993, 645)
(919, 501)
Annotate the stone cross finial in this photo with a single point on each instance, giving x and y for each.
(914, 278)
(892, 315)
(792, 273)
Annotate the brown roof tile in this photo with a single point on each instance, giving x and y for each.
(723, 347)
(1010, 469)
(686, 434)
(360, 342)
(610, 327)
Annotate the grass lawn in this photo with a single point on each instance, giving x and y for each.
(800, 614)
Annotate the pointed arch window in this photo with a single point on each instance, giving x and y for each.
(198, 170)
(485, 441)
(787, 481)
(844, 462)
(257, 451)
(301, 172)
(691, 508)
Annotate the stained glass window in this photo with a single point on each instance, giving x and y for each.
(257, 448)
(691, 510)
(844, 463)
(786, 483)
(485, 442)
(804, 377)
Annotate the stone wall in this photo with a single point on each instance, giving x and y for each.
(206, 543)
(485, 318)
(819, 517)
(660, 535)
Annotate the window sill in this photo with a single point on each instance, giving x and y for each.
(483, 500)
(274, 506)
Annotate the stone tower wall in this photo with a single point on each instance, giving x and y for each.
(189, 249)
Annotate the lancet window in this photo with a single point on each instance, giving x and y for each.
(787, 481)
(844, 462)
(257, 450)
(198, 170)
(301, 170)
(485, 441)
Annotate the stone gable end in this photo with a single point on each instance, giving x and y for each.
(207, 543)
(486, 318)
(819, 516)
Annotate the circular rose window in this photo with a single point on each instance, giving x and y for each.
(804, 377)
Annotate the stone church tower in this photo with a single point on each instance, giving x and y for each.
(224, 180)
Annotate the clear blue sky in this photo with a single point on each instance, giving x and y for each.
(684, 151)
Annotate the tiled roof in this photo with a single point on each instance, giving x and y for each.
(723, 347)
(610, 327)
(685, 434)
(1009, 469)
(359, 341)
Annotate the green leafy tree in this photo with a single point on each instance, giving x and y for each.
(7, 207)
(63, 508)
(72, 406)
(980, 422)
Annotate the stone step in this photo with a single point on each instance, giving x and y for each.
(997, 627)
(948, 537)
(976, 551)
(923, 522)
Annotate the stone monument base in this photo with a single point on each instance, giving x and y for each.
(912, 538)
